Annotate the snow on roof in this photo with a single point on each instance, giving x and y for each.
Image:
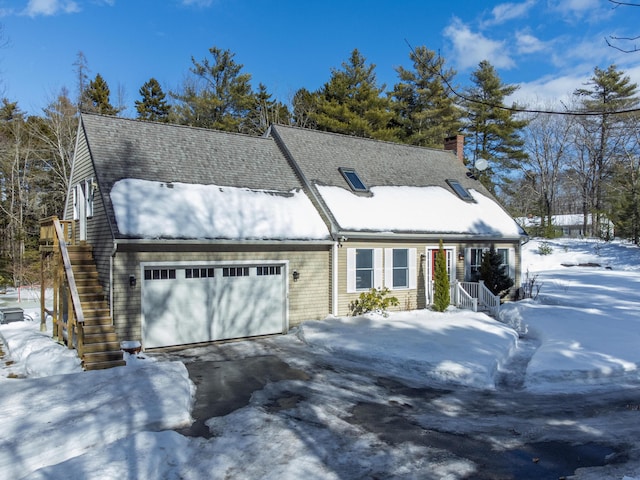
(149, 209)
(418, 209)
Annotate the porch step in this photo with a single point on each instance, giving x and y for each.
(103, 365)
(84, 277)
(105, 337)
(100, 357)
(98, 329)
(97, 320)
(89, 289)
(94, 305)
(101, 347)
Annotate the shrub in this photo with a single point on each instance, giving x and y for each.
(441, 287)
(375, 300)
(545, 249)
(495, 275)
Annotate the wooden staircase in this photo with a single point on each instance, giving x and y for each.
(100, 347)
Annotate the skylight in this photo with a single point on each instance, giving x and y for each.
(462, 192)
(353, 179)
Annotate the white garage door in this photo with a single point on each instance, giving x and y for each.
(200, 303)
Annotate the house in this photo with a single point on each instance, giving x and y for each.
(199, 235)
(570, 225)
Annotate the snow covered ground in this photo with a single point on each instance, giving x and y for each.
(60, 422)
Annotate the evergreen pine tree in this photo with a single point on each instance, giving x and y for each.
(493, 133)
(153, 105)
(352, 103)
(625, 208)
(218, 96)
(425, 108)
(494, 274)
(441, 287)
(96, 97)
(610, 91)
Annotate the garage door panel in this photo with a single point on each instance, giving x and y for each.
(178, 312)
(236, 302)
(250, 306)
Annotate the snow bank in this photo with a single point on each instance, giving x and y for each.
(48, 420)
(461, 347)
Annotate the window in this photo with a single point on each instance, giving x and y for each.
(353, 179)
(475, 260)
(268, 270)
(160, 274)
(83, 194)
(400, 265)
(364, 269)
(199, 272)
(462, 192)
(235, 272)
(400, 268)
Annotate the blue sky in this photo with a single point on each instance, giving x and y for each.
(548, 47)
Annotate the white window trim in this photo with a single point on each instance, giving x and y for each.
(89, 192)
(412, 266)
(351, 269)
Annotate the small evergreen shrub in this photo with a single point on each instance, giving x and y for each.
(441, 287)
(494, 273)
(375, 300)
(545, 249)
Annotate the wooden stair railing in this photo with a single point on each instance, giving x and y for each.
(89, 327)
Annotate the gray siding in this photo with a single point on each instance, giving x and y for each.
(99, 234)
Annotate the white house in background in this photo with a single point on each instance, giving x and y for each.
(201, 235)
(571, 225)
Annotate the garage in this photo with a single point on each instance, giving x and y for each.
(192, 303)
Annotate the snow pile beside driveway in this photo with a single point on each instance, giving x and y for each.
(585, 317)
(35, 354)
(458, 346)
(60, 412)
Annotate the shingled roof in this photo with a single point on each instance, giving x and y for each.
(124, 148)
(378, 163)
(408, 189)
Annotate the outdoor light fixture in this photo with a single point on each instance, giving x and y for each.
(296, 275)
(461, 256)
(132, 281)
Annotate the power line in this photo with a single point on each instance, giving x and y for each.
(515, 109)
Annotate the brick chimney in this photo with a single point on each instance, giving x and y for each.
(455, 143)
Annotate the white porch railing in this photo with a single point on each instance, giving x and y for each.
(462, 299)
(479, 293)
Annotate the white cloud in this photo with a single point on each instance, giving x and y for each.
(470, 48)
(549, 93)
(574, 11)
(508, 11)
(50, 7)
(527, 43)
